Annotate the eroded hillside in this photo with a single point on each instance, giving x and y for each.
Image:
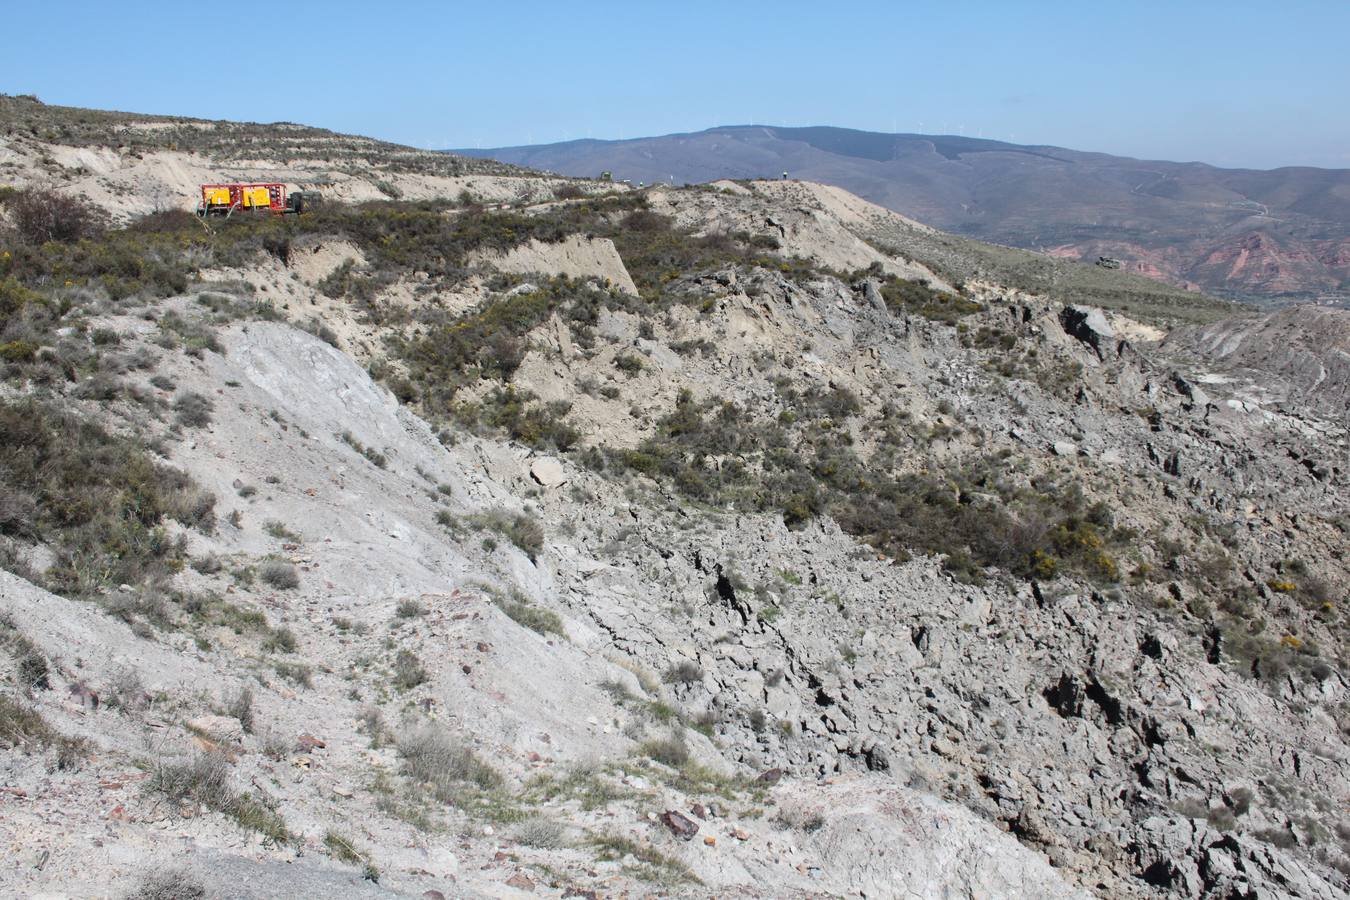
(745, 540)
(1274, 236)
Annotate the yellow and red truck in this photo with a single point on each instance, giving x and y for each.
(254, 197)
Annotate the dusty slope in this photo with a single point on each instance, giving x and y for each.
(1159, 710)
(575, 257)
(367, 538)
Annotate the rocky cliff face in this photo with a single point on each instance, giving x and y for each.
(1298, 358)
(750, 558)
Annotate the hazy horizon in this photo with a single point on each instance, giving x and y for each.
(1229, 84)
(913, 134)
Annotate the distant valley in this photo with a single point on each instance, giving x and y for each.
(1265, 236)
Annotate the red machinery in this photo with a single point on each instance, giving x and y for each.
(225, 199)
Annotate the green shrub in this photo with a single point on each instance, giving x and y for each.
(409, 671)
(432, 757)
(921, 298)
(22, 728)
(18, 351)
(628, 363)
(96, 498)
(654, 865)
(535, 618)
(279, 574)
(541, 426)
(14, 297)
(278, 530)
(342, 848)
(970, 512)
(518, 528)
(370, 453)
(204, 781)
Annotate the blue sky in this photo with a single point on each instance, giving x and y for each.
(1230, 83)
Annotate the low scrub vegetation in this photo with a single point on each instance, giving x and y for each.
(193, 410)
(541, 832)
(22, 728)
(974, 513)
(533, 617)
(204, 781)
(30, 665)
(448, 768)
(342, 848)
(650, 863)
(168, 884)
(518, 528)
(280, 574)
(409, 671)
(920, 298)
(97, 499)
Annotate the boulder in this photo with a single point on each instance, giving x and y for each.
(680, 825)
(222, 729)
(548, 472)
(1089, 325)
(1194, 395)
(872, 294)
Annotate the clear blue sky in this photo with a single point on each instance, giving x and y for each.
(1231, 83)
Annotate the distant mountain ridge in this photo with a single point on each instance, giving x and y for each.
(1255, 234)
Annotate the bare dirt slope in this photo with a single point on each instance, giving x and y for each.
(365, 538)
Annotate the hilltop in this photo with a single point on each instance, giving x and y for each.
(132, 164)
(1257, 235)
(535, 536)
